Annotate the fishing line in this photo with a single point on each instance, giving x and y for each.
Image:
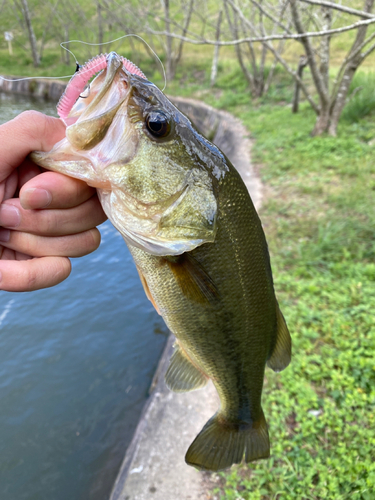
(62, 45)
(34, 78)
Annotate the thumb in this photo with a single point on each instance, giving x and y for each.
(28, 132)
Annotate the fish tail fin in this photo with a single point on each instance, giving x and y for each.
(221, 444)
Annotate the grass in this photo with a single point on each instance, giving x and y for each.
(362, 101)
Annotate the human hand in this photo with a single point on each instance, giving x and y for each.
(45, 217)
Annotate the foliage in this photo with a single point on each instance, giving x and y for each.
(362, 102)
(319, 218)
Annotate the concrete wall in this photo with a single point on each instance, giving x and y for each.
(47, 89)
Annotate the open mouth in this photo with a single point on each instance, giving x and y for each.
(73, 103)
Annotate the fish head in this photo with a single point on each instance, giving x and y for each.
(156, 176)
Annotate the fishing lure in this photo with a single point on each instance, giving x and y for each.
(81, 78)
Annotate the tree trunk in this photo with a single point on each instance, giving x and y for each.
(34, 50)
(301, 65)
(325, 46)
(322, 122)
(169, 66)
(100, 27)
(184, 31)
(234, 30)
(310, 54)
(348, 75)
(67, 45)
(215, 60)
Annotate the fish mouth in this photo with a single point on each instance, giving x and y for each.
(88, 117)
(80, 97)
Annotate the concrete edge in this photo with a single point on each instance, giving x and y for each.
(42, 88)
(156, 383)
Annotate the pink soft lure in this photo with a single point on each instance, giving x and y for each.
(80, 79)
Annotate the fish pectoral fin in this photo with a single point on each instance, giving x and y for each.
(195, 283)
(282, 352)
(182, 375)
(147, 290)
(221, 444)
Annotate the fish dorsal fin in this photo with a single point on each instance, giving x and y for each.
(282, 352)
(194, 281)
(182, 375)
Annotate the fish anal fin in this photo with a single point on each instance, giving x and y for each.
(194, 281)
(147, 290)
(221, 444)
(282, 352)
(182, 375)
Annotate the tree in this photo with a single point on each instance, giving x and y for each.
(331, 104)
(27, 17)
(291, 19)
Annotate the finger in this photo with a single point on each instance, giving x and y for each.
(75, 245)
(54, 190)
(28, 132)
(22, 256)
(7, 254)
(33, 274)
(52, 222)
(27, 171)
(10, 185)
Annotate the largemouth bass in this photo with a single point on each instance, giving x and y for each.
(196, 239)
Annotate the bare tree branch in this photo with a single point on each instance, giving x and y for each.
(348, 10)
(285, 36)
(215, 60)
(185, 28)
(317, 77)
(270, 16)
(368, 51)
(233, 27)
(338, 101)
(281, 61)
(351, 55)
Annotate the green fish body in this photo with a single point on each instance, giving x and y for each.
(199, 248)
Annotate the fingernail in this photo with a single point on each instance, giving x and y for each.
(9, 216)
(4, 234)
(36, 198)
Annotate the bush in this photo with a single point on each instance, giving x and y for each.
(362, 102)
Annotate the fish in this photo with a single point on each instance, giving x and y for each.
(196, 239)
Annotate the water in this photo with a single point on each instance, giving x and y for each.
(76, 362)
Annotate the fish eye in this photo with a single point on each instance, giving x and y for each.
(158, 124)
